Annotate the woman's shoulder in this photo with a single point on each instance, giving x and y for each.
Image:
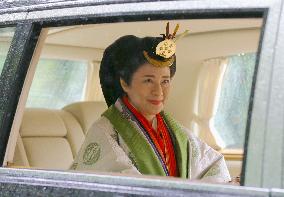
(101, 125)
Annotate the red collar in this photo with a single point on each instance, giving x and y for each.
(160, 137)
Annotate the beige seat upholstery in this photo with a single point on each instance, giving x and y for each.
(50, 139)
(86, 112)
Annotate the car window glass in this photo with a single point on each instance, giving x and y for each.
(233, 104)
(57, 83)
(6, 35)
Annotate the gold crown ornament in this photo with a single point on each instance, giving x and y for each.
(166, 48)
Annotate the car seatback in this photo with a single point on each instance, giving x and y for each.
(50, 138)
(86, 112)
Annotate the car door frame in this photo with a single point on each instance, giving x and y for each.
(266, 107)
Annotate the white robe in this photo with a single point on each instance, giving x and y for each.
(107, 152)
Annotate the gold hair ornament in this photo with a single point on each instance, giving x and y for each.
(166, 48)
(159, 63)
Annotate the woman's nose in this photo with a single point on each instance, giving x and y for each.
(157, 90)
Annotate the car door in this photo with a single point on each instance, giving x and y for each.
(263, 142)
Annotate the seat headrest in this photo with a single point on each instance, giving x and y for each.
(86, 112)
(39, 122)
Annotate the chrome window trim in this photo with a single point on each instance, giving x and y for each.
(59, 183)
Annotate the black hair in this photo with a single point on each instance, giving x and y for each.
(121, 59)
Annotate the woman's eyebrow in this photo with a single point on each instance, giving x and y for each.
(149, 76)
(153, 76)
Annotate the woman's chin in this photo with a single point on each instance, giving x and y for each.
(155, 111)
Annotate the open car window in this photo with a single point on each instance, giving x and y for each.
(64, 97)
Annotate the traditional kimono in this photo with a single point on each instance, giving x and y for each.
(118, 142)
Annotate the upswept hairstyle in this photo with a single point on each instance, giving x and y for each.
(121, 59)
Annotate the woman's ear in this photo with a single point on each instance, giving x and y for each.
(123, 85)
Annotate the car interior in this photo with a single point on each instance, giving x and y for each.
(48, 134)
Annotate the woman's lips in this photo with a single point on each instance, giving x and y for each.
(155, 102)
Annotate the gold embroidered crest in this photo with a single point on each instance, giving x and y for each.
(166, 48)
(92, 153)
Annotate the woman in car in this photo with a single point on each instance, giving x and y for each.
(135, 135)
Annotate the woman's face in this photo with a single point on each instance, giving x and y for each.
(148, 89)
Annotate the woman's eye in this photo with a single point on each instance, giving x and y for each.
(166, 81)
(148, 80)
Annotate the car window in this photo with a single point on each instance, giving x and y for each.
(57, 83)
(233, 103)
(6, 35)
(66, 80)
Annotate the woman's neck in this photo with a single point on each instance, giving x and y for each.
(150, 118)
